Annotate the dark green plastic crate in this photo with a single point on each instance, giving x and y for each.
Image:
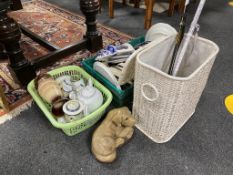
(122, 97)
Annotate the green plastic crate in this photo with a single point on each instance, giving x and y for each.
(122, 97)
(77, 126)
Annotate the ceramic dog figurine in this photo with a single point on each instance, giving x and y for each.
(113, 132)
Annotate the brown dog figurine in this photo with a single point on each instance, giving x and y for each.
(113, 132)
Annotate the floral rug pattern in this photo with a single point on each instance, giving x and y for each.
(60, 28)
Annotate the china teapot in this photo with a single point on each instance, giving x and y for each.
(91, 97)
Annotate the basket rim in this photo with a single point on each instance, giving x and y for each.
(211, 56)
(47, 113)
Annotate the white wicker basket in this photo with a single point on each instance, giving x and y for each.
(163, 103)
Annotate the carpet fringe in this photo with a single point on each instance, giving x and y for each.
(15, 112)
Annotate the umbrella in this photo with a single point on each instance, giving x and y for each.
(186, 40)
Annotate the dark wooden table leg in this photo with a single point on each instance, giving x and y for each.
(90, 9)
(2, 52)
(172, 4)
(111, 8)
(181, 6)
(137, 3)
(10, 35)
(16, 5)
(149, 13)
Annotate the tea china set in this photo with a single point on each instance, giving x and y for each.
(69, 99)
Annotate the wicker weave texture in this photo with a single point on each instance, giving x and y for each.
(163, 104)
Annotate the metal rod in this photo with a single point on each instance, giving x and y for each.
(188, 37)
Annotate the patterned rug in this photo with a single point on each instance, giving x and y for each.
(57, 26)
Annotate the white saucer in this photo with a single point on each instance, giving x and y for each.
(106, 72)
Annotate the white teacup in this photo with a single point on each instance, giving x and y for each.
(74, 110)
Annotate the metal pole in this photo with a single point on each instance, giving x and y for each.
(188, 37)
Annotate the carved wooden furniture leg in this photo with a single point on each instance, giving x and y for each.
(16, 5)
(181, 6)
(111, 8)
(2, 52)
(149, 13)
(90, 9)
(172, 4)
(10, 35)
(137, 3)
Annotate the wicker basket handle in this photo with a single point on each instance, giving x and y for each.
(156, 92)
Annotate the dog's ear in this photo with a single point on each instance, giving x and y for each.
(125, 110)
(117, 120)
